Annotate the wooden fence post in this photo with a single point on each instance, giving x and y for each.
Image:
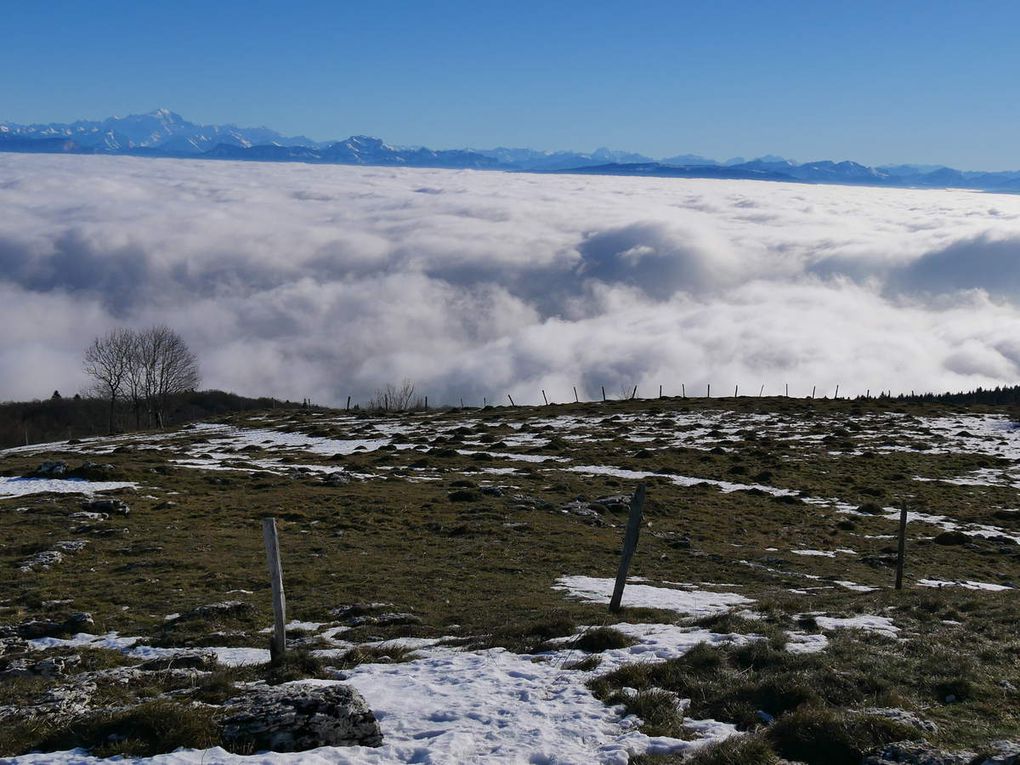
(708, 390)
(901, 552)
(735, 387)
(348, 404)
(761, 392)
(278, 644)
(546, 399)
(630, 540)
(576, 399)
(634, 394)
(836, 394)
(683, 390)
(787, 390)
(660, 391)
(813, 390)
(511, 399)
(603, 393)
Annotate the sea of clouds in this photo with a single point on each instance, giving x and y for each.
(324, 281)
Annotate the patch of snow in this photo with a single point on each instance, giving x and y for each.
(688, 602)
(803, 642)
(20, 487)
(883, 625)
(969, 585)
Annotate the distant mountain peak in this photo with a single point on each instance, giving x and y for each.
(165, 133)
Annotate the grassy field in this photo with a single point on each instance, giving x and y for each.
(462, 521)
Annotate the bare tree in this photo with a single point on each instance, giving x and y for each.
(395, 398)
(167, 367)
(106, 361)
(134, 380)
(147, 367)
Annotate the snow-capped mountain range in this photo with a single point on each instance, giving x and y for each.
(163, 133)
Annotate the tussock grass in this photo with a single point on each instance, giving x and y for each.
(141, 731)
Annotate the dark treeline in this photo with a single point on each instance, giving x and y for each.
(1009, 395)
(58, 418)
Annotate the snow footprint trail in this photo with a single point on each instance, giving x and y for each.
(489, 706)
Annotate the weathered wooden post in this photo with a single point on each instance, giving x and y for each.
(761, 391)
(630, 540)
(348, 404)
(426, 403)
(633, 395)
(511, 399)
(735, 387)
(813, 387)
(901, 552)
(576, 399)
(708, 390)
(660, 391)
(787, 390)
(683, 390)
(836, 394)
(544, 397)
(603, 393)
(278, 644)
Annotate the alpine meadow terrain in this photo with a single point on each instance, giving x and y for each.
(454, 566)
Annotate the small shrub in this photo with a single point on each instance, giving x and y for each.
(587, 664)
(373, 655)
(736, 750)
(142, 731)
(296, 665)
(602, 639)
(658, 710)
(819, 736)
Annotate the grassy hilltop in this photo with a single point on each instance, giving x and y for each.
(462, 522)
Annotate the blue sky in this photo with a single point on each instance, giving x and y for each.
(879, 82)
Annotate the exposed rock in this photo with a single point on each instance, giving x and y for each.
(55, 666)
(337, 478)
(915, 753)
(85, 516)
(354, 610)
(389, 619)
(903, 716)
(184, 660)
(10, 643)
(951, 538)
(1003, 753)
(106, 505)
(39, 628)
(93, 471)
(298, 717)
(226, 608)
(52, 469)
(48, 558)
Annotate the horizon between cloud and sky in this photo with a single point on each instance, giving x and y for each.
(875, 82)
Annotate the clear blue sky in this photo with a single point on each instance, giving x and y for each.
(879, 82)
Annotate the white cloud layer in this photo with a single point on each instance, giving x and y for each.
(324, 281)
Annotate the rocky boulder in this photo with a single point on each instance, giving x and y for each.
(951, 538)
(915, 753)
(298, 717)
(108, 506)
